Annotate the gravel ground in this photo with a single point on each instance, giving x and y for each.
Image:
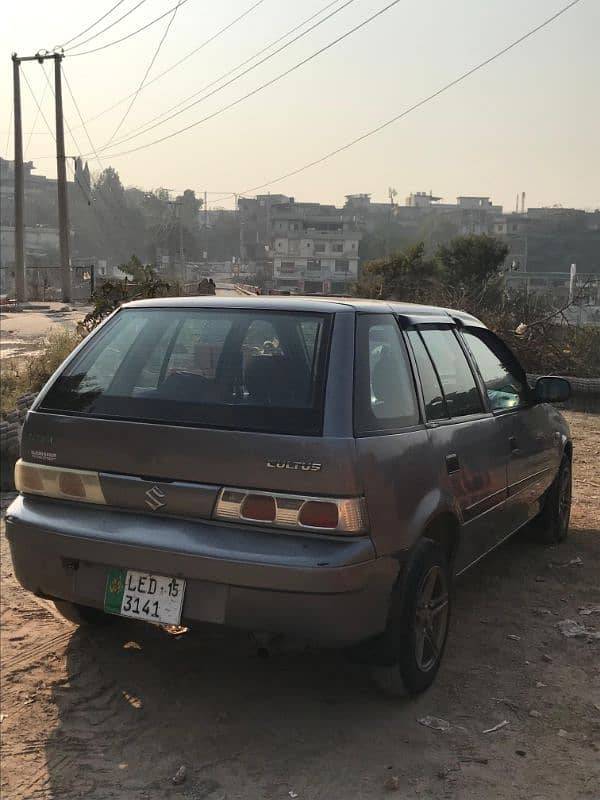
(115, 712)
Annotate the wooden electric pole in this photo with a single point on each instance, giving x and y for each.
(61, 175)
(19, 186)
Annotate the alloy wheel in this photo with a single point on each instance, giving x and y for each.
(431, 618)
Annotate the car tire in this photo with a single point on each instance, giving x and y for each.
(82, 615)
(418, 623)
(552, 523)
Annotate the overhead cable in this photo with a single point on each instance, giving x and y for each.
(264, 85)
(415, 106)
(148, 126)
(181, 60)
(129, 35)
(93, 25)
(89, 138)
(148, 68)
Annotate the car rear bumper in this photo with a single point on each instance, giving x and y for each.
(327, 590)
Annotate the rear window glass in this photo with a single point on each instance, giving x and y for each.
(385, 392)
(240, 369)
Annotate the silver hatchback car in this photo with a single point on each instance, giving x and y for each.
(315, 468)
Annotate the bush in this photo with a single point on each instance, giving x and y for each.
(19, 376)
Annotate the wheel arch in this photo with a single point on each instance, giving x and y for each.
(444, 529)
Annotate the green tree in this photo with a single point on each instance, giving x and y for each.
(471, 260)
(404, 275)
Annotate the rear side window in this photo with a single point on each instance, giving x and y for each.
(435, 405)
(385, 392)
(460, 390)
(240, 369)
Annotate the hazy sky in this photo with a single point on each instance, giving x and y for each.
(528, 122)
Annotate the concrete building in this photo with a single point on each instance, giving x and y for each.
(315, 248)
(255, 227)
(41, 232)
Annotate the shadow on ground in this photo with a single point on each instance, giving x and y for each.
(139, 703)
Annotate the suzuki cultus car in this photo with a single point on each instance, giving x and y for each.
(317, 468)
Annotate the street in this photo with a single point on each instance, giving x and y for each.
(115, 712)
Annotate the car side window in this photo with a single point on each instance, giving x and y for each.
(433, 396)
(458, 382)
(504, 386)
(385, 391)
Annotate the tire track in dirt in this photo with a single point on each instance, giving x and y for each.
(26, 657)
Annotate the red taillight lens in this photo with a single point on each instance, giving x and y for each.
(316, 514)
(259, 507)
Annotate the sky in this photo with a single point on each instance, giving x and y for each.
(528, 122)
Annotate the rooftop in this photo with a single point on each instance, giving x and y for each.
(298, 303)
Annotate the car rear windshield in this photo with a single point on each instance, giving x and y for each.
(222, 368)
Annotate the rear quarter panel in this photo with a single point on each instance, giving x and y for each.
(401, 487)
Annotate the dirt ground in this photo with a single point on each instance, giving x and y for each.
(114, 713)
(22, 333)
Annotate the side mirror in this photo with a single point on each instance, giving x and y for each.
(551, 389)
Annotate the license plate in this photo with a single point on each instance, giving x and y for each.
(153, 598)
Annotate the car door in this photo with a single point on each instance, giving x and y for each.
(525, 426)
(468, 447)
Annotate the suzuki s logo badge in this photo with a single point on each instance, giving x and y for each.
(303, 466)
(154, 498)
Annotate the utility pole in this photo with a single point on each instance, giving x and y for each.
(183, 275)
(63, 208)
(205, 237)
(61, 173)
(19, 186)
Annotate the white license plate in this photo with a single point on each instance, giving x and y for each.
(153, 598)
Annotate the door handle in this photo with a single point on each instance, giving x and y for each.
(512, 443)
(452, 463)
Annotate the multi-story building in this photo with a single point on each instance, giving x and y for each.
(41, 232)
(315, 248)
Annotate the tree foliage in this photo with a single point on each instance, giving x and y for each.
(109, 296)
(406, 272)
(465, 274)
(473, 259)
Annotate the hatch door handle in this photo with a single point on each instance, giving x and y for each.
(452, 463)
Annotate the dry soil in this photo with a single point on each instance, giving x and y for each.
(115, 712)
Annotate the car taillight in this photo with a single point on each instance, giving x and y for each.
(346, 515)
(316, 514)
(259, 507)
(57, 482)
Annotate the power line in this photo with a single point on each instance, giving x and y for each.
(143, 81)
(93, 25)
(66, 121)
(181, 60)
(39, 108)
(75, 103)
(108, 27)
(9, 131)
(262, 86)
(414, 107)
(129, 35)
(37, 116)
(147, 126)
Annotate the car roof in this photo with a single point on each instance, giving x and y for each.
(297, 303)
